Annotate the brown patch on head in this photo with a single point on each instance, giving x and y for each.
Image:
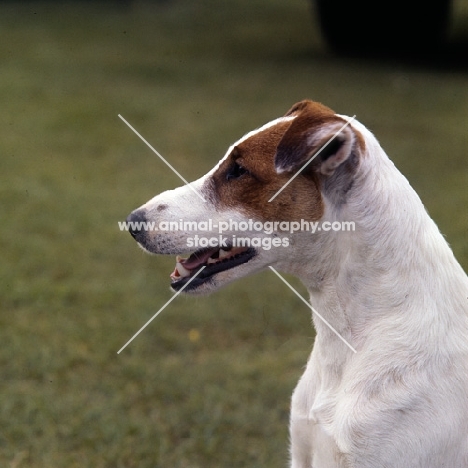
(247, 179)
(260, 165)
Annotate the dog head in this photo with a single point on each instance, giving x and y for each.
(238, 218)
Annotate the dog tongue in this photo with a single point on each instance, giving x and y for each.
(198, 258)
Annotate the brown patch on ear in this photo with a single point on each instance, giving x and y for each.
(249, 189)
(312, 127)
(294, 148)
(360, 142)
(314, 107)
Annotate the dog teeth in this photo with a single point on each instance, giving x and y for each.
(211, 260)
(182, 270)
(223, 253)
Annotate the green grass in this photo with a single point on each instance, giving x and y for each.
(191, 77)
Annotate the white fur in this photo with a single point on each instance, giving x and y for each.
(393, 290)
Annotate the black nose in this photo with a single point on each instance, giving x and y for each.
(136, 223)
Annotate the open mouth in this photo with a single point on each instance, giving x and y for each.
(214, 260)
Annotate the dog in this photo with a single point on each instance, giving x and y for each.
(397, 397)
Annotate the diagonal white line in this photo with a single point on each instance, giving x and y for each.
(312, 158)
(313, 310)
(161, 158)
(160, 310)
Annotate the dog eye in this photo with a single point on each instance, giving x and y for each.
(236, 171)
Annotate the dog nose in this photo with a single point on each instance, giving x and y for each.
(135, 222)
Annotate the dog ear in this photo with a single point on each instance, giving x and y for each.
(317, 135)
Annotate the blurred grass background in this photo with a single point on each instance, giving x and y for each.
(208, 383)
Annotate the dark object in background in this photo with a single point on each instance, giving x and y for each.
(391, 27)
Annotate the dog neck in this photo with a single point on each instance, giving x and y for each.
(395, 258)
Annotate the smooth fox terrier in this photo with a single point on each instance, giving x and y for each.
(392, 288)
